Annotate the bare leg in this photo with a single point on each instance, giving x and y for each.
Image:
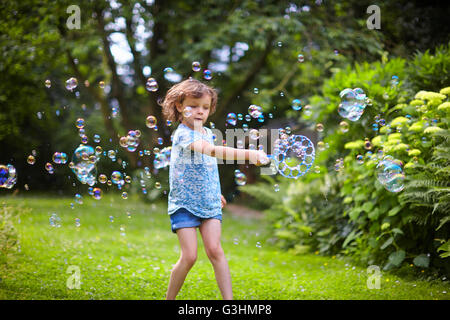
(211, 230)
(188, 244)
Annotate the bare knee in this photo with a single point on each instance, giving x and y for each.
(188, 258)
(215, 252)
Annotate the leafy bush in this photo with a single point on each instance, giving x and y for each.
(348, 211)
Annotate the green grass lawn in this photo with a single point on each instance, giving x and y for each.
(131, 258)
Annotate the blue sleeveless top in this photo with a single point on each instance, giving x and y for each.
(193, 177)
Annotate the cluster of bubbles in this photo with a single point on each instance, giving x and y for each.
(8, 177)
(59, 158)
(293, 155)
(162, 157)
(131, 140)
(390, 173)
(353, 103)
(83, 164)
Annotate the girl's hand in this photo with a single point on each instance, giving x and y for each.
(222, 199)
(258, 158)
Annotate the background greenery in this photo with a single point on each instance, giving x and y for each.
(252, 48)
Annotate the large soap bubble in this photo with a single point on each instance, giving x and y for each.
(390, 174)
(7, 176)
(83, 164)
(353, 103)
(293, 156)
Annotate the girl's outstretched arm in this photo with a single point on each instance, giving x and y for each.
(257, 157)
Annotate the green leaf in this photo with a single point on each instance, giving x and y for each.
(397, 257)
(422, 260)
(387, 243)
(367, 206)
(394, 211)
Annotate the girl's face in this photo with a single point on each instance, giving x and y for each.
(199, 109)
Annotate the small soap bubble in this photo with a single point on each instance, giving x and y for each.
(80, 123)
(48, 83)
(254, 111)
(319, 127)
(31, 159)
(49, 168)
(101, 84)
(360, 159)
(71, 84)
(97, 193)
(151, 85)
(344, 126)
(300, 58)
(296, 104)
(231, 119)
(78, 198)
(240, 178)
(207, 74)
(254, 134)
(187, 112)
(124, 195)
(367, 144)
(196, 66)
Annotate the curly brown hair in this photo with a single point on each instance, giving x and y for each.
(187, 88)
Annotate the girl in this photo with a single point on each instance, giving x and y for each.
(195, 198)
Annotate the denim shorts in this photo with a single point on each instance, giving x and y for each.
(182, 218)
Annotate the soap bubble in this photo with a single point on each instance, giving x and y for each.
(102, 178)
(254, 111)
(71, 84)
(48, 83)
(307, 110)
(151, 121)
(80, 123)
(353, 103)
(82, 165)
(101, 84)
(390, 174)
(187, 112)
(55, 220)
(78, 198)
(367, 144)
(294, 156)
(339, 164)
(151, 85)
(300, 58)
(117, 178)
(319, 127)
(196, 66)
(321, 145)
(49, 168)
(97, 193)
(231, 119)
(158, 185)
(207, 74)
(96, 138)
(8, 176)
(124, 195)
(344, 126)
(296, 104)
(360, 159)
(394, 80)
(59, 158)
(132, 140)
(240, 178)
(31, 159)
(162, 158)
(254, 134)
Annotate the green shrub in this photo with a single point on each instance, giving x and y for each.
(348, 211)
